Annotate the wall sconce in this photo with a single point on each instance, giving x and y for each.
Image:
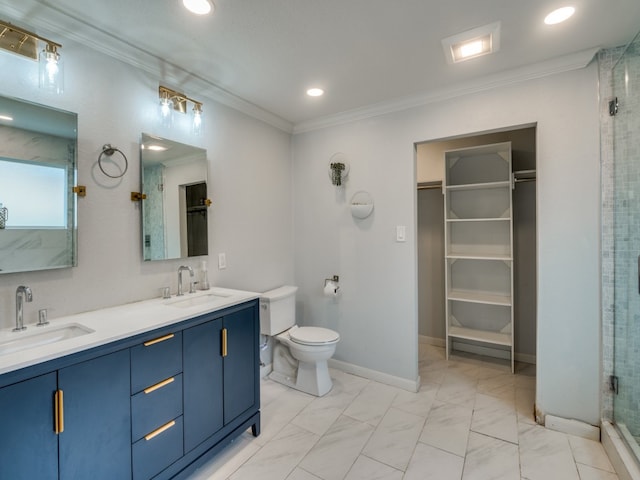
(171, 101)
(23, 42)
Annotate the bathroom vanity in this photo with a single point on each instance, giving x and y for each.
(146, 390)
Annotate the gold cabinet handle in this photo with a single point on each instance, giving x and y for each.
(158, 340)
(158, 431)
(58, 409)
(224, 342)
(158, 385)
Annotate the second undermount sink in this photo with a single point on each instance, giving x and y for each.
(38, 336)
(187, 301)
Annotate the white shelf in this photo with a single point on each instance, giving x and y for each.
(479, 245)
(495, 338)
(479, 297)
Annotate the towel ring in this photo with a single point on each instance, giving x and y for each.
(108, 150)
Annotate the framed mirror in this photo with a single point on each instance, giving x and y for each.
(175, 211)
(38, 170)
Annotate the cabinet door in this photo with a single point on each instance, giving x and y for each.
(202, 381)
(96, 441)
(28, 444)
(240, 363)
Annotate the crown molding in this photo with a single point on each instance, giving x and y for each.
(54, 20)
(554, 66)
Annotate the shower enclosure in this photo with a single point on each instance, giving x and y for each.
(626, 149)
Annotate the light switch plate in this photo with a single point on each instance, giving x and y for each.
(401, 233)
(222, 261)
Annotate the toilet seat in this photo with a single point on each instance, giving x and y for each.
(313, 335)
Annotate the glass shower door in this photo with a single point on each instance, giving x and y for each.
(626, 146)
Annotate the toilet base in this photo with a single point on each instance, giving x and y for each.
(312, 378)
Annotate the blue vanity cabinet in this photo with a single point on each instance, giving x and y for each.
(221, 372)
(28, 444)
(69, 423)
(156, 403)
(241, 365)
(203, 408)
(97, 419)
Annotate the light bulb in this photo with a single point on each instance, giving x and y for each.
(51, 73)
(196, 124)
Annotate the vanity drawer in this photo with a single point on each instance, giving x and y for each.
(154, 360)
(157, 450)
(155, 406)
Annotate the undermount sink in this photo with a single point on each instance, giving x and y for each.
(38, 336)
(206, 299)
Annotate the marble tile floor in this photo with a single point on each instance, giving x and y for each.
(471, 420)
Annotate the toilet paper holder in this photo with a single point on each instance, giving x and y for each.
(334, 279)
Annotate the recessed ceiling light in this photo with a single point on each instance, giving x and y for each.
(199, 7)
(559, 15)
(472, 43)
(6, 117)
(315, 92)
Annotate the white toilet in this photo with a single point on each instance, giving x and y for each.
(300, 353)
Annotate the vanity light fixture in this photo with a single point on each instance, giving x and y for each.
(23, 42)
(472, 43)
(199, 7)
(171, 101)
(559, 15)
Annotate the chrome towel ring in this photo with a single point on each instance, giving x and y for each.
(109, 150)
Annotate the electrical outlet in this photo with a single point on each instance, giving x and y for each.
(222, 261)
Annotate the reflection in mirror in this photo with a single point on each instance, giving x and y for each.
(174, 214)
(37, 174)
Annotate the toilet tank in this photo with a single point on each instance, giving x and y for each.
(277, 310)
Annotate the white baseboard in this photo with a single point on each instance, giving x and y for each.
(621, 458)
(572, 427)
(405, 384)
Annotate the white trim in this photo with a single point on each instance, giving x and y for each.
(572, 427)
(405, 384)
(566, 63)
(622, 460)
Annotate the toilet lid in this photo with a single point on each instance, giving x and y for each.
(313, 335)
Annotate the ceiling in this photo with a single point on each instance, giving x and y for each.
(261, 55)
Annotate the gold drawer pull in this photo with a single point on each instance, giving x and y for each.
(157, 432)
(224, 342)
(161, 384)
(158, 340)
(58, 409)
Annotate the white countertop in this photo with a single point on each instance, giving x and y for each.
(115, 323)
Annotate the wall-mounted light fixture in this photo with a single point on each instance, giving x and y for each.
(23, 42)
(171, 101)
